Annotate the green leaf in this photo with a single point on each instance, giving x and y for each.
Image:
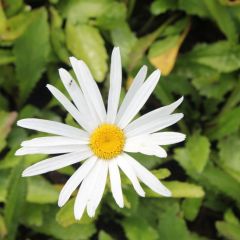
(228, 230)
(198, 148)
(191, 207)
(161, 6)
(230, 217)
(31, 51)
(230, 155)
(6, 57)
(179, 85)
(104, 236)
(161, 46)
(138, 229)
(15, 200)
(163, 53)
(124, 38)
(41, 191)
(222, 56)
(33, 214)
(223, 18)
(73, 232)
(16, 136)
(4, 180)
(65, 216)
(87, 8)
(215, 178)
(113, 16)
(216, 89)
(161, 173)
(13, 6)
(17, 25)
(178, 230)
(107, 13)
(86, 43)
(58, 38)
(196, 154)
(131, 202)
(194, 7)
(183, 189)
(226, 124)
(211, 178)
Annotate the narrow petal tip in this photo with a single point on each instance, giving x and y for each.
(49, 87)
(116, 48)
(142, 194)
(91, 212)
(181, 115)
(24, 174)
(164, 155)
(167, 193)
(60, 203)
(19, 152)
(73, 59)
(19, 123)
(24, 143)
(77, 215)
(157, 72)
(62, 71)
(144, 68)
(27, 173)
(61, 200)
(120, 204)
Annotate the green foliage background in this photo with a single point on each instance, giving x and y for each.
(196, 45)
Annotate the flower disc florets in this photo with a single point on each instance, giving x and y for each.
(107, 141)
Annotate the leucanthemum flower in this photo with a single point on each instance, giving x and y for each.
(104, 138)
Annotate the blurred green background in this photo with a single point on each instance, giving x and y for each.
(196, 45)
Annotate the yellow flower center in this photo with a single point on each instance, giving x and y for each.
(107, 141)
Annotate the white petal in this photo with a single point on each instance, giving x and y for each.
(151, 126)
(134, 144)
(145, 145)
(75, 180)
(136, 84)
(74, 91)
(155, 150)
(115, 181)
(55, 163)
(115, 85)
(165, 138)
(52, 141)
(82, 121)
(53, 128)
(52, 149)
(139, 99)
(155, 114)
(127, 169)
(99, 187)
(148, 178)
(85, 191)
(89, 87)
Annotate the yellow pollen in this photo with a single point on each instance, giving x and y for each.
(107, 141)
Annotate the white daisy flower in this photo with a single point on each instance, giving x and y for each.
(104, 138)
